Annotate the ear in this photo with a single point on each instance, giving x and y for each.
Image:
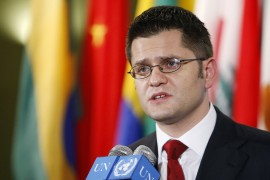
(210, 72)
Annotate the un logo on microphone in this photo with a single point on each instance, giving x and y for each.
(134, 167)
(125, 166)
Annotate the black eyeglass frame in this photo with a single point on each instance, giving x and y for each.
(181, 61)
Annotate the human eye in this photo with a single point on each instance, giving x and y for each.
(172, 63)
(141, 70)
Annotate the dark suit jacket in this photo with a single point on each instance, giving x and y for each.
(234, 152)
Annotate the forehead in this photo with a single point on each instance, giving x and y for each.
(164, 44)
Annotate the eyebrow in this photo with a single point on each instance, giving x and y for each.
(161, 58)
(141, 61)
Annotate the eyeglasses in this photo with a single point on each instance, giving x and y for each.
(166, 66)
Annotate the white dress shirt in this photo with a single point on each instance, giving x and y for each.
(195, 139)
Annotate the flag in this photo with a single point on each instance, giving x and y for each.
(187, 4)
(228, 53)
(39, 151)
(27, 161)
(265, 73)
(166, 2)
(223, 20)
(247, 82)
(230, 24)
(102, 71)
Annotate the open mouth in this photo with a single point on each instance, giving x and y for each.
(159, 96)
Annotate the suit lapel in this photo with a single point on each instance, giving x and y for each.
(222, 158)
(152, 144)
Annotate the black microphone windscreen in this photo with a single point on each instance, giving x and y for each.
(120, 150)
(147, 152)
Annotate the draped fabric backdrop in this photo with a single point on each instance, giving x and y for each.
(68, 115)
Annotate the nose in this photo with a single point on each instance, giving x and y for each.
(157, 77)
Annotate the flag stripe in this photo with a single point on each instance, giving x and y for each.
(246, 97)
(69, 130)
(130, 128)
(166, 2)
(27, 160)
(187, 4)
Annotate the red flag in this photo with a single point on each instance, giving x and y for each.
(102, 71)
(247, 84)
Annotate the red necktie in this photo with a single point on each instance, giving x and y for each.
(174, 150)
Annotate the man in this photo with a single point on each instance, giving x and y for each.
(172, 62)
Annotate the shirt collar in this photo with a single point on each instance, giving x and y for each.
(196, 138)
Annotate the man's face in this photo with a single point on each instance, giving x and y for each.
(168, 97)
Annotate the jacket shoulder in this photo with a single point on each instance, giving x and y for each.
(149, 141)
(243, 132)
(253, 134)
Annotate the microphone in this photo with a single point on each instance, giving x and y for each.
(146, 151)
(103, 166)
(139, 166)
(120, 150)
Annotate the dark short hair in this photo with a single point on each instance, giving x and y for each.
(161, 18)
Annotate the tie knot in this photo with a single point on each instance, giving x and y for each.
(174, 149)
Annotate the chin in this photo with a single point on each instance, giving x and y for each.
(159, 116)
